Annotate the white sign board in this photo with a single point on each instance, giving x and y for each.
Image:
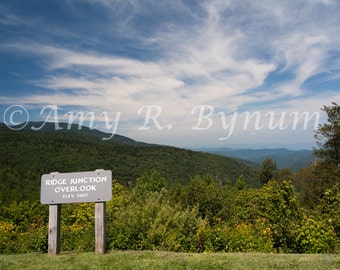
(92, 186)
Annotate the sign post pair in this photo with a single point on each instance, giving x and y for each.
(91, 186)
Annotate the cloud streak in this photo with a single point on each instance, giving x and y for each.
(183, 54)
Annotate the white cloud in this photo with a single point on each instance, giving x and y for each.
(218, 53)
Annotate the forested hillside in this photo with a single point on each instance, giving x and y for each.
(26, 155)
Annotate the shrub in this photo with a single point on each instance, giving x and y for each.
(148, 222)
(7, 236)
(330, 207)
(279, 206)
(241, 238)
(77, 237)
(33, 239)
(315, 237)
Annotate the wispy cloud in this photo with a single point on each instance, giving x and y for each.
(179, 54)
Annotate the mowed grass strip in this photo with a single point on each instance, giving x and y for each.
(168, 260)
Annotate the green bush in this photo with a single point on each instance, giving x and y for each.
(240, 238)
(329, 207)
(77, 237)
(32, 240)
(7, 236)
(315, 237)
(279, 206)
(149, 222)
(23, 227)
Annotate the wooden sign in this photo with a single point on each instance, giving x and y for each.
(59, 188)
(92, 186)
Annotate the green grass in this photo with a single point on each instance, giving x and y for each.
(167, 260)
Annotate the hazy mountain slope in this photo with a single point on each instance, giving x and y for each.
(293, 159)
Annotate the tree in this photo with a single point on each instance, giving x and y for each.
(268, 170)
(284, 174)
(241, 183)
(313, 181)
(151, 181)
(206, 193)
(328, 136)
(279, 205)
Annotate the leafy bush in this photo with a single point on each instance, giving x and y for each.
(278, 204)
(23, 227)
(7, 236)
(241, 238)
(206, 193)
(315, 237)
(148, 222)
(77, 237)
(33, 239)
(330, 207)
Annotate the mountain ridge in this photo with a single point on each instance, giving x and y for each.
(40, 126)
(285, 158)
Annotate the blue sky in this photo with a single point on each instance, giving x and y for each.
(208, 73)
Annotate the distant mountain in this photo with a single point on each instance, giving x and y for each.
(293, 159)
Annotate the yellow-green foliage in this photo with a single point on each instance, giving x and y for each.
(329, 207)
(7, 235)
(204, 216)
(239, 238)
(148, 221)
(315, 236)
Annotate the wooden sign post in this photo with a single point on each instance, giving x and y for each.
(58, 188)
(54, 229)
(100, 225)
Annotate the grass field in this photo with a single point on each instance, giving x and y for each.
(167, 260)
